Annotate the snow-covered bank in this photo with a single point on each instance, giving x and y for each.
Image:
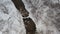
(43, 16)
(46, 18)
(10, 19)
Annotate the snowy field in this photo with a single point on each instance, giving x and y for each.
(10, 19)
(47, 19)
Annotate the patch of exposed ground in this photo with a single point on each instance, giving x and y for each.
(28, 22)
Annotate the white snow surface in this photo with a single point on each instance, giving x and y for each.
(10, 19)
(43, 16)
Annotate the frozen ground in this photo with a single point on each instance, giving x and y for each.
(46, 18)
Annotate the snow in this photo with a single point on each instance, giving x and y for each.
(0, 32)
(44, 17)
(10, 19)
(39, 13)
